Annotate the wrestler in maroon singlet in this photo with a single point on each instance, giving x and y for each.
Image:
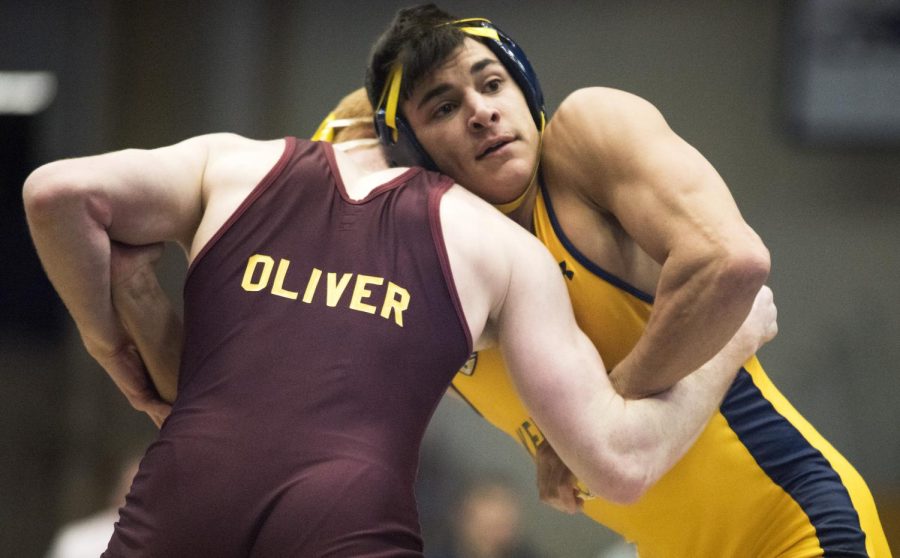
(320, 334)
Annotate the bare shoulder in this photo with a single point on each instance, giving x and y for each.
(229, 143)
(607, 102)
(228, 153)
(234, 166)
(234, 161)
(473, 220)
(605, 116)
(490, 243)
(486, 251)
(597, 136)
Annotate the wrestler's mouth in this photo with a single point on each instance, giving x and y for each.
(493, 146)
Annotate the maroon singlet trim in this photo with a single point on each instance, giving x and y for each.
(437, 235)
(342, 189)
(267, 180)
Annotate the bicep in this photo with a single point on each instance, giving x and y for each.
(672, 198)
(555, 367)
(624, 158)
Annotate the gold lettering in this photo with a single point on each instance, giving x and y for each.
(360, 292)
(311, 286)
(258, 273)
(335, 288)
(397, 299)
(252, 263)
(278, 285)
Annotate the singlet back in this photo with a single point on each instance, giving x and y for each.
(320, 333)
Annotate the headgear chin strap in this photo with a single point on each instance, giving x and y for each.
(396, 134)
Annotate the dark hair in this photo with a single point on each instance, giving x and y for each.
(418, 39)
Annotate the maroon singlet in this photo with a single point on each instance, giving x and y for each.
(320, 334)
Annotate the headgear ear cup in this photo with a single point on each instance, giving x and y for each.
(403, 149)
(406, 151)
(518, 66)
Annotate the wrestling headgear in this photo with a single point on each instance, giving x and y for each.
(325, 131)
(395, 133)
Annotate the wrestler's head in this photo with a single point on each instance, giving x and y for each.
(458, 96)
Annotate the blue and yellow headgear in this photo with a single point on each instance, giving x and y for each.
(396, 134)
(325, 131)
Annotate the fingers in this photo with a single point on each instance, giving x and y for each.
(126, 260)
(158, 411)
(144, 253)
(557, 486)
(127, 371)
(766, 299)
(761, 325)
(155, 408)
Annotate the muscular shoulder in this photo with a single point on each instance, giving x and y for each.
(230, 152)
(485, 249)
(597, 136)
(601, 118)
(234, 166)
(604, 109)
(234, 161)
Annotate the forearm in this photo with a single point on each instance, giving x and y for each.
(644, 438)
(69, 224)
(662, 427)
(71, 241)
(699, 306)
(154, 326)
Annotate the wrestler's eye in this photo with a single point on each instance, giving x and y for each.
(493, 85)
(442, 110)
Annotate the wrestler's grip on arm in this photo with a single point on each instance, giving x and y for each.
(147, 313)
(559, 487)
(620, 448)
(513, 295)
(76, 209)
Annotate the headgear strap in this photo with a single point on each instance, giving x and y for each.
(325, 131)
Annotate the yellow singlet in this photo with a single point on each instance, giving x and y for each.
(759, 482)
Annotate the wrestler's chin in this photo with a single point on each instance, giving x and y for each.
(500, 185)
(505, 177)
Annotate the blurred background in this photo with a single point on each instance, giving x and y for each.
(797, 104)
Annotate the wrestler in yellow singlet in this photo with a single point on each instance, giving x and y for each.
(759, 482)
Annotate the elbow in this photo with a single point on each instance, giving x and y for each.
(636, 478)
(629, 486)
(745, 267)
(50, 190)
(44, 192)
(628, 477)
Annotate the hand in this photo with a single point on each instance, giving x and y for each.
(125, 260)
(152, 328)
(761, 324)
(557, 486)
(128, 372)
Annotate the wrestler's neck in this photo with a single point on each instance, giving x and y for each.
(367, 156)
(363, 169)
(522, 210)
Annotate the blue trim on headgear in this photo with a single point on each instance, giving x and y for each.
(406, 151)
